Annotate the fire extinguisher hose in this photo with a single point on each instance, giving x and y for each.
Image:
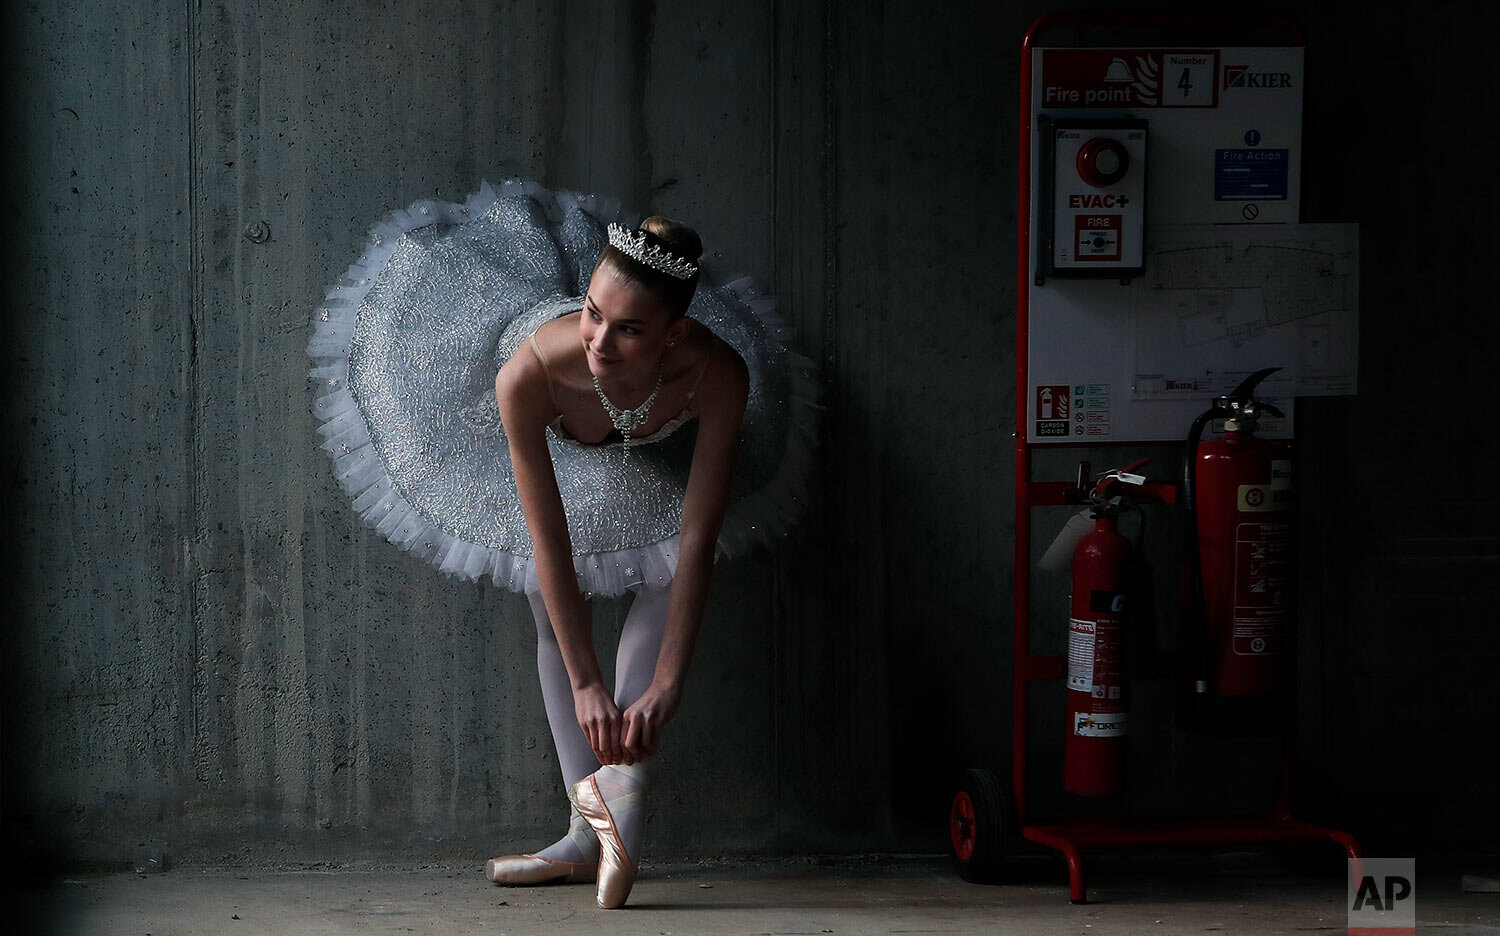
(1197, 614)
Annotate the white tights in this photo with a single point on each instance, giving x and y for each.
(635, 666)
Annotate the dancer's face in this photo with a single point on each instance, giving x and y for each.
(625, 329)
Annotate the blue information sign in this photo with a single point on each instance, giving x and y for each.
(1250, 174)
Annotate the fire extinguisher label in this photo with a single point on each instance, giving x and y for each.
(1094, 660)
(1081, 638)
(1099, 724)
(1281, 474)
(1264, 498)
(1262, 594)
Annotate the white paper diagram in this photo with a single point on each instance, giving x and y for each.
(1216, 306)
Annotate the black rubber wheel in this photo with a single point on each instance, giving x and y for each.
(978, 825)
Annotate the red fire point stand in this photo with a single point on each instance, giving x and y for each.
(980, 810)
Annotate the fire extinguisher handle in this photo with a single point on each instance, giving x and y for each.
(1246, 390)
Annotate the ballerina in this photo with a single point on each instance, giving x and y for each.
(629, 364)
(524, 389)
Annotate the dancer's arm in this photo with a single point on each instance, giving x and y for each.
(525, 409)
(719, 416)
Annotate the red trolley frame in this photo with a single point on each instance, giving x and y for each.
(1069, 836)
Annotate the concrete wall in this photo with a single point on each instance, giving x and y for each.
(211, 654)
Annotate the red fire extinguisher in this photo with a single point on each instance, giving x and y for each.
(1098, 696)
(1239, 494)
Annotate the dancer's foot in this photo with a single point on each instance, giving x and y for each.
(579, 846)
(612, 799)
(572, 859)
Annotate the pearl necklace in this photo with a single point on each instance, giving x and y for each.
(626, 420)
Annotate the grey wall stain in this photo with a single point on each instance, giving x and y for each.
(642, 31)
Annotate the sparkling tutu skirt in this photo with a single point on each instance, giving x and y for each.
(405, 349)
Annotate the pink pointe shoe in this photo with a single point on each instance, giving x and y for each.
(526, 870)
(617, 870)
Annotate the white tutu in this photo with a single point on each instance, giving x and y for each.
(405, 353)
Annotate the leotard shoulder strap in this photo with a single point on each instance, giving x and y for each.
(546, 371)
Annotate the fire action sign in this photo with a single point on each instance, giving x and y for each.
(1118, 78)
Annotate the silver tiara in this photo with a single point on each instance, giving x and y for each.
(633, 245)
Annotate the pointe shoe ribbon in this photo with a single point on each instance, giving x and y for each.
(521, 870)
(617, 870)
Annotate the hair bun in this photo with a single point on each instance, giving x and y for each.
(674, 236)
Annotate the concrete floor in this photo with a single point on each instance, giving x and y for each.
(1239, 894)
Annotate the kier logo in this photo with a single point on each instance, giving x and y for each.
(1240, 76)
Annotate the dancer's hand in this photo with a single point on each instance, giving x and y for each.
(600, 720)
(645, 720)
